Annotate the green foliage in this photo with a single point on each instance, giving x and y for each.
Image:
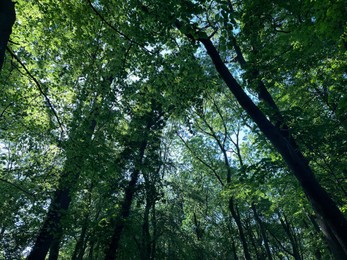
(90, 82)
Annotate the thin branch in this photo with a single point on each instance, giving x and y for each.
(201, 160)
(116, 30)
(219, 112)
(17, 187)
(3, 111)
(40, 89)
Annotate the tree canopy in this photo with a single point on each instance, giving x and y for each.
(178, 129)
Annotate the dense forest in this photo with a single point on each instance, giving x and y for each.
(176, 129)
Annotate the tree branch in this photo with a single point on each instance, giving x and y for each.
(39, 88)
(115, 29)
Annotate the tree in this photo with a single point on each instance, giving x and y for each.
(176, 129)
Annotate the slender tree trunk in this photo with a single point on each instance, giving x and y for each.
(80, 245)
(112, 249)
(234, 250)
(232, 207)
(153, 121)
(146, 238)
(7, 19)
(155, 232)
(277, 118)
(125, 209)
(321, 202)
(286, 226)
(240, 228)
(262, 232)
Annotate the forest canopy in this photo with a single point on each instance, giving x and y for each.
(177, 129)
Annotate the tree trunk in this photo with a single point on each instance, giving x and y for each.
(321, 202)
(111, 251)
(81, 242)
(146, 238)
(262, 232)
(51, 230)
(240, 228)
(125, 209)
(7, 19)
(293, 242)
(155, 235)
(152, 121)
(52, 224)
(54, 249)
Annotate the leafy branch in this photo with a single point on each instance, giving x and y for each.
(37, 83)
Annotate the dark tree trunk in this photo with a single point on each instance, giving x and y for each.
(333, 244)
(52, 224)
(262, 232)
(152, 121)
(154, 225)
(146, 238)
(237, 219)
(52, 230)
(54, 250)
(125, 211)
(81, 242)
(321, 202)
(111, 252)
(287, 228)
(234, 250)
(7, 19)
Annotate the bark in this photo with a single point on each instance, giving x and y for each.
(54, 250)
(7, 19)
(52, 230)
(240, 228)
(112, 249)
(333, 244)
(125, 209)
(262, 232)
(81, 242)
(146, 238)
(286, 226)
(154, 121)
(155, 231)
(277, 119)
(321, 202)
(52, 224)
(148, 241)
(234, 250)
(232, 207)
